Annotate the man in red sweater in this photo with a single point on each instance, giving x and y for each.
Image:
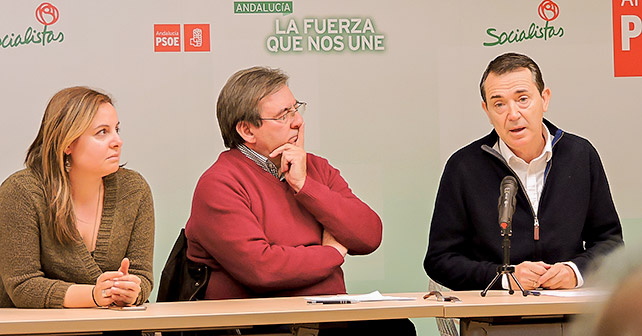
(268, 218)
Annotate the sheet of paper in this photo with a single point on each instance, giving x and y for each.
(575, 292)
(371, 297)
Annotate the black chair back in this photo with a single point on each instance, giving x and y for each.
(182, 279)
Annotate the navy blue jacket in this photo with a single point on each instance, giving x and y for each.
(577, 217)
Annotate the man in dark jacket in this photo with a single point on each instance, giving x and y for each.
(564, 217)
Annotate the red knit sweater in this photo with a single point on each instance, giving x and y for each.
(261, 239)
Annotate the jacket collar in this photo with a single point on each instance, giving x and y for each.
(491, 139)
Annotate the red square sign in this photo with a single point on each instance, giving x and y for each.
(167, 37)
(197, 37)
(627, 38)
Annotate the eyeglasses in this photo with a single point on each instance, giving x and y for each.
(287, 116)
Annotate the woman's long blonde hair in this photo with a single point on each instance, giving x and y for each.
(68, 114)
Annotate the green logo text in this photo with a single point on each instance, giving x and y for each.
(262, 7)
(31, 36)
(516, 36)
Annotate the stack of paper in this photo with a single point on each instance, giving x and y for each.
(371, 297)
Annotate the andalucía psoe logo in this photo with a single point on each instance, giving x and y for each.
(547, 10)
(47, 14)
(167, 37)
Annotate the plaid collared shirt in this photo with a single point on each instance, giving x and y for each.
(261, 161)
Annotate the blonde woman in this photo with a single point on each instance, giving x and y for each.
(76, 229)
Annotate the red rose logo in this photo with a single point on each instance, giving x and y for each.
(548, 10)
(47, 14)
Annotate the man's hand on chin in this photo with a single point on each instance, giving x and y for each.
(293, 161)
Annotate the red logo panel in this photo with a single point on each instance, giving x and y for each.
(197, 37)
(627, 38)
(167, 37)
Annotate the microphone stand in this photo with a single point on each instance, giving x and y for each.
(506, 268)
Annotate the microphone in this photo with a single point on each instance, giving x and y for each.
(506, 209)
(506, 203)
